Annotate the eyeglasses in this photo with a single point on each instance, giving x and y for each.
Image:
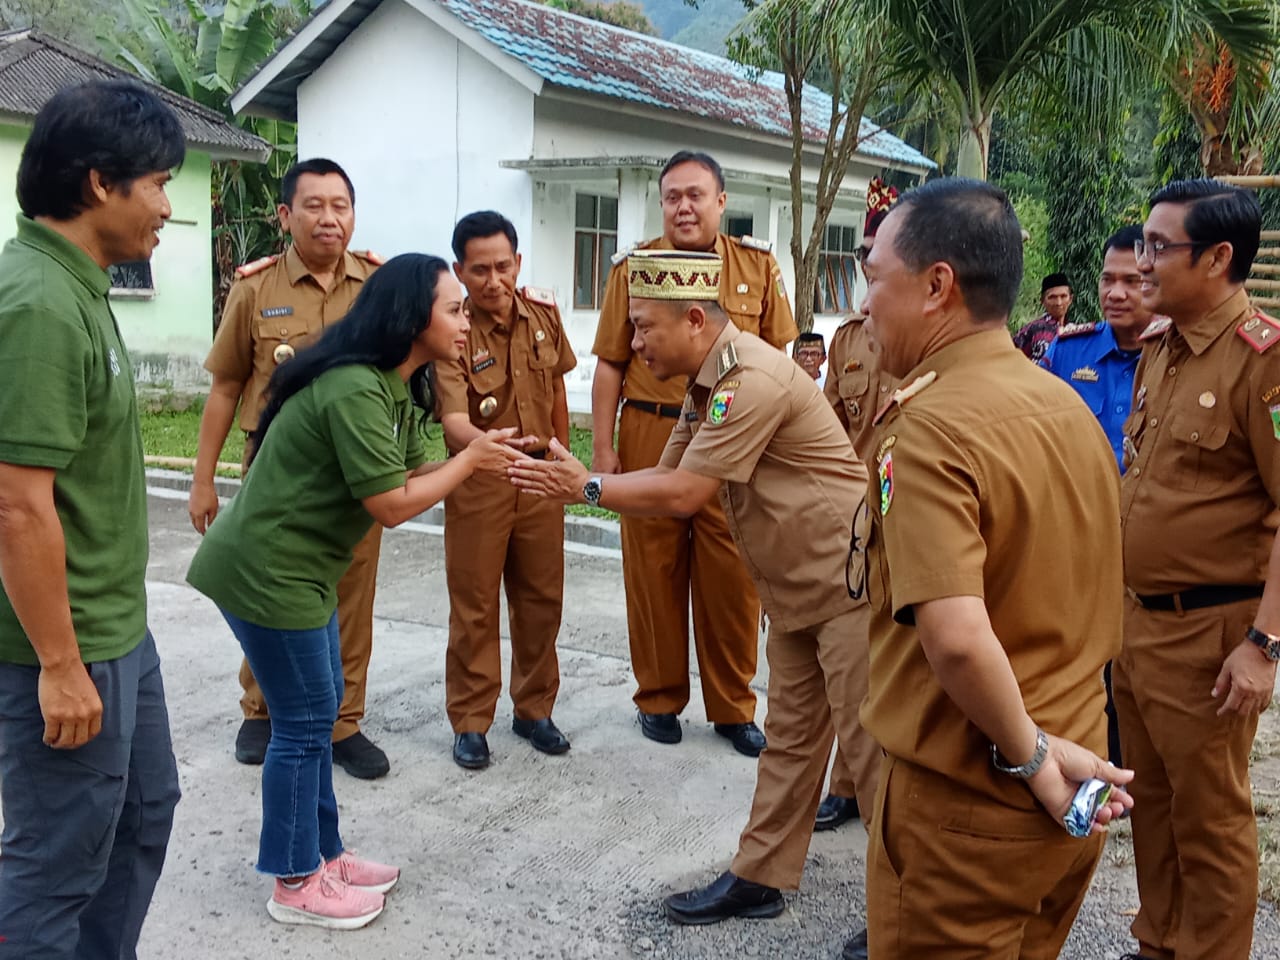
(1153, 248)
(861, 254)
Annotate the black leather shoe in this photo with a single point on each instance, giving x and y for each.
(358, 755)
(745, 737)
(856, 948)
(834, 811)
(471, 750)
(543, 734)
(252, 740)
(662, 727)
(727, 896)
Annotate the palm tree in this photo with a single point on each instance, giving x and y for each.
(1090, 54)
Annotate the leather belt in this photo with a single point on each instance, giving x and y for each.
(1197, 597)
(657, 409)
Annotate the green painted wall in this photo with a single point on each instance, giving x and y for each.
(168, 335)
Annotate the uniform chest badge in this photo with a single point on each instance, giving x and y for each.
(283, 352)
(488, 406)
(277, 312)
(540, 335)
(486, 361)
(1208, 400)
(743, 288)
(852, 365)
(1275, 419)
(718, 408)
(1085, 375)
(479, 355)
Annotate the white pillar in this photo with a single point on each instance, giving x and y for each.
(633, 203)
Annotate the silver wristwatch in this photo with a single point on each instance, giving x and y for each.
(1268, 643)
(1024, 771)
(591, 491)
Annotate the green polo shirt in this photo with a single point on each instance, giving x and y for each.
(67, 403)
(275, 554)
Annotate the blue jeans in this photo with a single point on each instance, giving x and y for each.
(85, 830)
(300, 674)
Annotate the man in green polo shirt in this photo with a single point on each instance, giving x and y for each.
(87, 772)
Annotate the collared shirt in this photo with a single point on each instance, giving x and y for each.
(1034, 339)
(1087, 357)
(792, 483)
(276, 552)
(278, 304)
(511, 367)
(67, 403)
(988, 476)
(1199, 500)
(751, 293)
(856, 387)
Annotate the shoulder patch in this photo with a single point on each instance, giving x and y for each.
(622, 254)
(1156, 328)
(370, 256)
(851, 319)
(753, 243)
(726, 361)
(540, 295)
(1078, 329)
(1260, 331)
(256, 266)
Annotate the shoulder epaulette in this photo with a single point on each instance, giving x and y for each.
(622, 254)
(1078, 329)
(1260, 331)
(540, 295)
(256, 266)
(851, 319)
(903, 394)
(726, 361)
(752, 243)
(1156, 328)
(369, 255)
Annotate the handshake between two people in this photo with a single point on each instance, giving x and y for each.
(559, 477)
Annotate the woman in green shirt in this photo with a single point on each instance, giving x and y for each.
(338, 449)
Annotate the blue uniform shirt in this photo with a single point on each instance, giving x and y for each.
(1087, 357)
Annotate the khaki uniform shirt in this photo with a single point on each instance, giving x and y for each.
(516, 365)
(751, 293)
(273, 303)
(1198, 502)
(994, 481)
(792, 482)
(856, 387)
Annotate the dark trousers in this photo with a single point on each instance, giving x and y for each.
(85, 830)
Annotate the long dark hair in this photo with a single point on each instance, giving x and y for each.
(393, 308)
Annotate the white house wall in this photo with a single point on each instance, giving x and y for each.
(420, 123)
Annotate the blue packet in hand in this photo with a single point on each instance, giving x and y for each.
(1093, 793)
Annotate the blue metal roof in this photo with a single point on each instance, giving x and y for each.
(580, 54)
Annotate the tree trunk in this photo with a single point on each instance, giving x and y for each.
(975, 149)
(1220, 156)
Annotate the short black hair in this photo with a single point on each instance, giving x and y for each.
(810, 336)
(1123, 239)
(1054, 280)
(117, 127)
(1218, 213)
(971, 226)
(478, 226)
(704, 160)
(317, 165)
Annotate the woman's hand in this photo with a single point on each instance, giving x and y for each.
(493, 452)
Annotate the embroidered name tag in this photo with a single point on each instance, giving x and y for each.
(277, 312)
(484, 365)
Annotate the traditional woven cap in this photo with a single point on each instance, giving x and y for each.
(673, 275)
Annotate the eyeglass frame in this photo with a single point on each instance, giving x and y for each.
(861, 253)
(1158, 247)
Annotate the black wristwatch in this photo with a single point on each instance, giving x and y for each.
(1268, 643)
(591, 491)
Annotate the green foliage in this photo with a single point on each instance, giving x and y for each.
(1037, 261)
(620, 13)
(77, 22)
(1177, 143)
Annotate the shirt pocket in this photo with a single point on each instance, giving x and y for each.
(853, 388)
(744, 309)
(544, 351)
(1197, 440)
(278, 340)
(491, 382)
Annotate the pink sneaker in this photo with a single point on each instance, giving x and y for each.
(363, 874)
(324, 900)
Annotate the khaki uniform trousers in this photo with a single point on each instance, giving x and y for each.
(954, 875)
(1195, 836)
(665, 561)
(843, 781)
(355, 639)
(817, 682)
(494, 535)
